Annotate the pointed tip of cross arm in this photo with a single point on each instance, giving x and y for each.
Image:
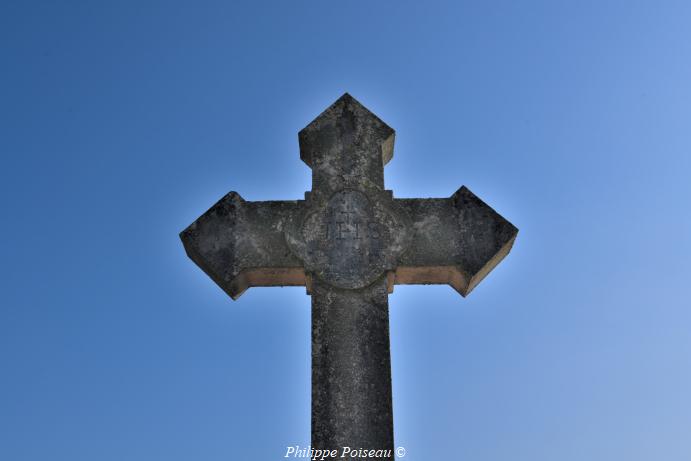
(209, 246)
(324, 132)
(492, 234)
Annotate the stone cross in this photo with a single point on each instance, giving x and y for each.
(349, 242)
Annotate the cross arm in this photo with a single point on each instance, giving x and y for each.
(241, 244)
(456, 240)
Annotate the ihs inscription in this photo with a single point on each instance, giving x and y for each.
(345, 240)
(345, 223)
(350, 229)
(348, 223)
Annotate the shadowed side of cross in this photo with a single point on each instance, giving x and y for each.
(349, 242)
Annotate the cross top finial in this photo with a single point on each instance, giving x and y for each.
(346, 144)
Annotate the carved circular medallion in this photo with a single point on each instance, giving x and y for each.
(350, 240)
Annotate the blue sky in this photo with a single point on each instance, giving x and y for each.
(121, 122)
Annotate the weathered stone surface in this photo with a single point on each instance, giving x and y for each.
(351, 369)
(349, 241)
(241, 244)
(456, 241)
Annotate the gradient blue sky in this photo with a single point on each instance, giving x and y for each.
(121, 122)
